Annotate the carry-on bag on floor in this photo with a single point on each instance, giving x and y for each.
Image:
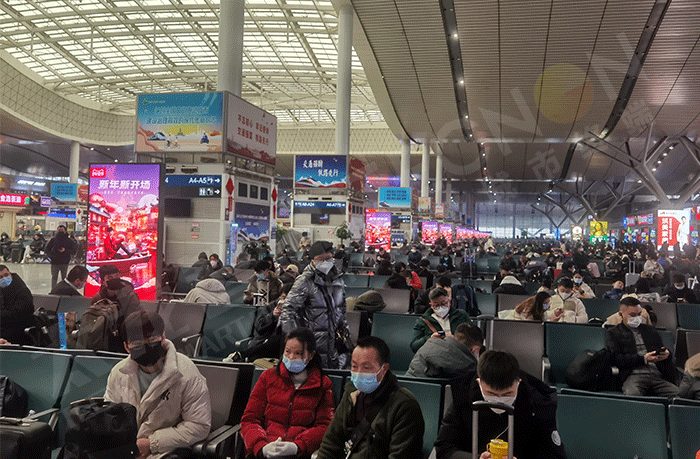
(24, 438)
(631, 277)
(498, 448)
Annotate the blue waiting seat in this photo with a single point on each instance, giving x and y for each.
(506, 302)
(77, 304)
(563, 342)
(48, 302)
(688, 316)
(377, 281)
(187, 278)
(600, 308)
(235, 291)
(397, 331)
(356, 280)
(224, 326)
(430, 398)
(487, 303)
(183, 324)
(683, 429)
(523, 339)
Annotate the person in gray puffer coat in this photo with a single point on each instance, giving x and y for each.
(317, 301)
(209, 291)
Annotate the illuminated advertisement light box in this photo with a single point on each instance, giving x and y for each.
(673, 227)
(429, 232)
(253, 222)
(395, 197)
(320, 171)
(13, 199)
(251, 132)
(124, 224)
(189, 122)
(597, 231)
(377, 230)
(446, 232)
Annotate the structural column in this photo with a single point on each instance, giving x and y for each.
(74, 162)
(425, 170)
(438, 177)
(231, 25)
(448, 198)
(405, 162)
(344, 82)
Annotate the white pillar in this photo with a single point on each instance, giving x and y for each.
(344, 81)
(425, 170)
(74, 162)
(231, 24)
(438, 176)
(405, 162)
(448, 198)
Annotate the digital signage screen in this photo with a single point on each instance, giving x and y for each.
(446, 232)
(597, 231)
(124, 225)
(673, 226)
(395, 197)
(429, 232)
(377, 230)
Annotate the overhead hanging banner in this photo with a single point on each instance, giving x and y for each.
(182, 122)
(429, 232)
(673, 226)
(320, 171)
(251, 132)
(397, 197)
(446, 232)
(124, 225)
(377, 230)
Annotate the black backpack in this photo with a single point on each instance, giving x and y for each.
(13, 399)
(465, 299)
(100, 429)
(591, 370)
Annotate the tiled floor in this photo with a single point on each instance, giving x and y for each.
(37, 276)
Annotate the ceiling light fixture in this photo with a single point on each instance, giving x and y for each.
(455, 35)
(653, 169)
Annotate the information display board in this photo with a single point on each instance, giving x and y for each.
(397, 197)
(193, 186)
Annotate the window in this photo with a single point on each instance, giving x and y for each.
(242, 190)
(263, 193)
(253, 192)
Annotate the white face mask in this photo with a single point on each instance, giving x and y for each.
(441, 311)
(499, 399)
(679, 286)
(634, 322)
(325, 266)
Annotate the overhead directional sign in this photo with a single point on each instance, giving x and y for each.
(193, 186)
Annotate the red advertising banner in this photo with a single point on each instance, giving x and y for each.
(429, 232)
(356, 175)
(250, 130)
(446, 232)
(377, 230)
(673, 226)
(83, 193)
(13, 199)
(123, 225)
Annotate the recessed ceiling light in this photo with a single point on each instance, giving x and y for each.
(671, 147)
(455, 35)
(653, 169)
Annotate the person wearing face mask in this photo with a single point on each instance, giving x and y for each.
(317, 301)
(439, 321)
(499, 379)
(452, 357)
(73, 283)
(646, 366)
(168, 391)
(376, 418)
(581, 289)
(291, 405)
(618, 289)
(678, 291)
(263, 287)
(214, 265)
(565, 306)
(16, 307)
(533, 308)
(121, 292)
(414, 255)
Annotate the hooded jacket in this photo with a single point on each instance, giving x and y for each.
(317, 302)
(690, 384)
(209, 291)
(175, 411)
(442, 358)
(60, 249)
(276, 409)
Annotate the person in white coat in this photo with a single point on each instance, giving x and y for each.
(173, 409)
(564, 306)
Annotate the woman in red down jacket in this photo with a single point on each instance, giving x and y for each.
(291, 405)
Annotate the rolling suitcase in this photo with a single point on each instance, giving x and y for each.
(631, 277)
(481, 406)
(24, 438)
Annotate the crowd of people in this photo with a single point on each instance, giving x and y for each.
(291, 411)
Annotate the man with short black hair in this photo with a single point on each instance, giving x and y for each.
(452, 357)
(376, 417)
(678, 291)
(439, 321)
(60, 249)
(73, 283)
(263, 287)
(500, 380)
(16, 307)
(170, 394)
(637, 350)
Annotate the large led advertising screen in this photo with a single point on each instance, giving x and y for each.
(124, 225)
(446, 232)
(377, 230)
(429, 232)
(182, 122)
(320, 171)
(597, 231)
(673, 226)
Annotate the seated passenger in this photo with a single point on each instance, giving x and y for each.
(643, 291)
(208, 291)
(510, 285)
(263, 287)
(391, 416)
(73, 283)
(533, 308)
(448, 357)
(637, 350)
(678, 291)
(564, 306)
(690, 384)
(16, 307)
(121, 292)
(500, 380)
(440, 320)
(291, 405)
(581, 289)
(170, 395)
(618, 289)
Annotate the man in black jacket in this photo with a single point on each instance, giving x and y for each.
(500, 380)
(60, 249)
(73, 283)
(16, 307)
(637, 350)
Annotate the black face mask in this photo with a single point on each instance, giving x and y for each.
(148, 354)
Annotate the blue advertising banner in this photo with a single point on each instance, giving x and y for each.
(253, 222)
(183, 122)
(66, 192)
(320, 171)
(395, 197)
